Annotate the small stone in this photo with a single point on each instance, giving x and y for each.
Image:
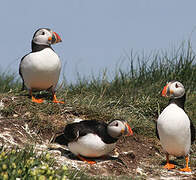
(139, 171)
(116, 154)
(77, 120)
(130, 154)
(28, 114)
(15, 115)
(13, 98)
(1, 105)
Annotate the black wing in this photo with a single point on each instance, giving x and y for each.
(71, 132)
(20, 73)
(99, 128)
(82, 128)
(157, 133)
(192, 132)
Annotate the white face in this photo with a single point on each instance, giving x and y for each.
(41, 37)
(116, 128)
(176, 89)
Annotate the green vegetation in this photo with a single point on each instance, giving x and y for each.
(133, 95)
(8, 82)
(26, 164)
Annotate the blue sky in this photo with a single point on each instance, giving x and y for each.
(95, 33)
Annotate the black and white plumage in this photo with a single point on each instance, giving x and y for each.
(92, 138)
(41, 68)
(174, 128)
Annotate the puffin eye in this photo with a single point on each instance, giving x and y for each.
(43, 33)
(177, 85)
(116, 124)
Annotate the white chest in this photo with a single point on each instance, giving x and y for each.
(174, 130)
(41, 69)
(90, 145)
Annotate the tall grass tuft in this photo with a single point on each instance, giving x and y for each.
(145, 74)
(8, 82)
(135, 94)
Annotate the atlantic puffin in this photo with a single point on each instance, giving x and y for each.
(93, 138)
(40, 68)
(174, 128)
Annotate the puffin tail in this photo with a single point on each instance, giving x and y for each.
(23, 86)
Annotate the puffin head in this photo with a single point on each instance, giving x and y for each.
(117, 128)
(173, 89)
(45, 36)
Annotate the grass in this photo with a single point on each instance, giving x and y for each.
(133, 95)
(8, 82)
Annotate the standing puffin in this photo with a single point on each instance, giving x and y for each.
(93, 138)
(40, 69)
(174, 128)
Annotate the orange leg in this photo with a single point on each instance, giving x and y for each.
(34, 99)
(168, 165)
(86, 160)
(55, 99)
(186, 169)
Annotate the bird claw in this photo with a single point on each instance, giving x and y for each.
(169, 166)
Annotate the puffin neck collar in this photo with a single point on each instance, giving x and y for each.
(179, 101)
(37, 47)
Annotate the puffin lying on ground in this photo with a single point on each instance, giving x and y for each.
(174, 128)
(40, 69)
(93, 138)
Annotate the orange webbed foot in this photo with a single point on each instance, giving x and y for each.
(56, 101)
(90, 162)
(186, 169)
(86, 160)
(37, 100)
(169, 166)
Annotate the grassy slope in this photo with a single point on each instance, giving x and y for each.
(133, 95)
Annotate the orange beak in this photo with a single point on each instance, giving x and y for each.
(58, 39)
(129, 130)
(55, 38)
(164, 92)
